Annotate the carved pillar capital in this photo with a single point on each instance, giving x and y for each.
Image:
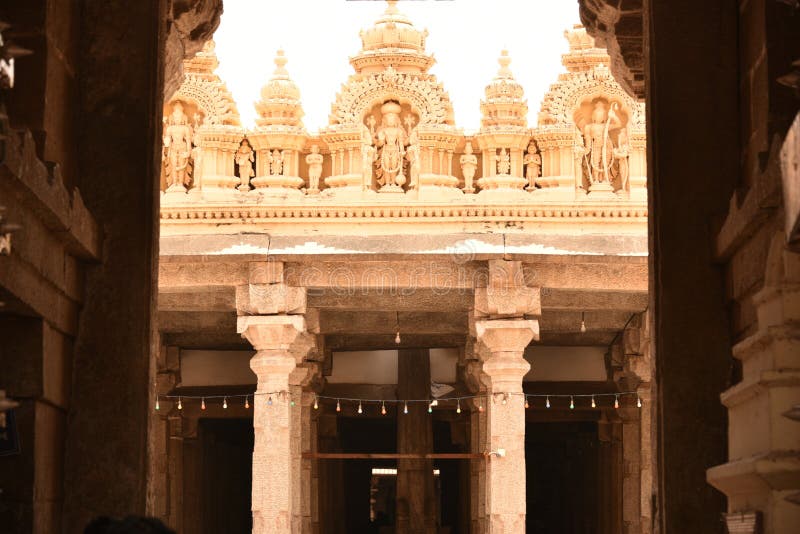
(268, 299)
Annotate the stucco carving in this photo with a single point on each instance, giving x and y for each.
(426, 96)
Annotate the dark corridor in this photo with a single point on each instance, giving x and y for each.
(562, 463)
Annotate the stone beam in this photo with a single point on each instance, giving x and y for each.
(386, 341)
(203, 321)
(419, 299)
(388, 275)
(570, 321)
(199, 299)
(360, 322)
(347, 279)
(628, 274)
(206, 340)
(588, 300)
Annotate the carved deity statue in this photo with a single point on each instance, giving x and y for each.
(391, 141)
(412, 153)
(244, 159)
(469, 162)
(597, 142)
(367, 155)
(275, 160)
(314, 161)
(533, 165)
(177, 149)
(503, 162)
(621, 154)
(578, 154)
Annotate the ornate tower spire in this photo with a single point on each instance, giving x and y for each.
(505, 105)
(280, 98)
(392, 41)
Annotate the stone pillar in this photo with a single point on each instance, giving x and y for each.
(301, 442)
(280, 345)
(477, 440)
(631, 467)
(416, 510)
(503, 368)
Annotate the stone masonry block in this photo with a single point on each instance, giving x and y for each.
(268, 299)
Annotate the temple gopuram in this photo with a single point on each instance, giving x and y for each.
(392, 326)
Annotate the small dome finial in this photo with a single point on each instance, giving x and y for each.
(280, 63)
(505, 61)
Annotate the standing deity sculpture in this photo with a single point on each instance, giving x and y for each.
(245, 158)
(391, 141)
(367, 155)
(533, 165)
(275, 160)
(412, 153)
(621, 154)
(469, 162)
(314, 161)
(503, 162)
(177, 149)
(598, 147)
(578, 153)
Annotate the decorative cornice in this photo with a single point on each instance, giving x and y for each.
(582, 211)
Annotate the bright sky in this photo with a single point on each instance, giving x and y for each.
(319, 36)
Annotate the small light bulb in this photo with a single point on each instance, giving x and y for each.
(505, 399)
(594, 404)
(397, 338)
(247, 403)
(158, 406)
(316, 403)
(269, 401)
(571, 403)
(203, 404)
(338, 406)
(527, 404)
(383, 408)
(405, 408)
(547, 404)
(359, 407)
(430, 408)
(180, 405)
(292, 403)
(480, 407)
(638, 401)
(583, 327)
(616, 401)
(225, 403)
(458, 406)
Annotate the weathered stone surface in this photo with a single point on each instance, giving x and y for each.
(266, 299)
(191, 24)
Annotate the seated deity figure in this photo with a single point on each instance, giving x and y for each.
(245, 158)
(597, 142)
(533, 165)
(178, 147)
(314, 161)
(391, 141)
(275, 160)
(469, 162)
(503, 162)
(621, 154)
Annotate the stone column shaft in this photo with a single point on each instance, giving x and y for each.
(503, 369)
(274, 501)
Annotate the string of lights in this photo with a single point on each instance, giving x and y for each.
(529, 398)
